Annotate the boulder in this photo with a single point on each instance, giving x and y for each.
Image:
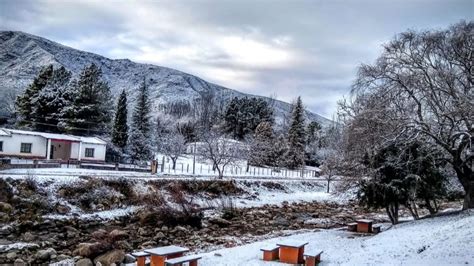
(11, 255)
(19, 262)
(220, 222)
(281, 221)
(28, 237)
(114, 256)
(84, 262)
(160, 235)
(117, 234)
(62, 209)
(89, 249)
(100, 234)
(46, 254)
(129, 259)
(5, 207)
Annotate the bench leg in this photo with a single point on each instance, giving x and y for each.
(141, 261)
(157, 260)
(310, 261)
(193, 263)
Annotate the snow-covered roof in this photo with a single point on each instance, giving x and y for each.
(4, 133)
(91, 140)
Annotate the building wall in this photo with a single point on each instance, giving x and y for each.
(12, 146)
(99, 151)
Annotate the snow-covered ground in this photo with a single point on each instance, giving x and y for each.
(447, 240)
(255, 193)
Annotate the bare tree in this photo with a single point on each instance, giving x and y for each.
(221, 151)
(172, 145)
(420, 88)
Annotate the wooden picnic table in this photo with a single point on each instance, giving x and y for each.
(291, 251)
(364, 225)
(161, 254)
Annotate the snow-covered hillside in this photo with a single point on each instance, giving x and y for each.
(22, 55)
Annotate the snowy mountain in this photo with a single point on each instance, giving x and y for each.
(22, 55)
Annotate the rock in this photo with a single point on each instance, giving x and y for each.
(115, 256)
(129, 259)
(11, 255)
(117, 234)
(6, 230)
(28, 237)
(19, 262)
(62, 209)
(181, 229)
(62, 257)
(160, 235)
(148, 244)
(84, 262)
(5, 207)
(46, 254)
(122, 244)
(280, 220)
(220, 222)
(89, 249)
(100, 234)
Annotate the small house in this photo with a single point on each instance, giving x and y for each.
(50, 146)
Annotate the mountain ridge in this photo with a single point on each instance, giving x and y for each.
(22, 55)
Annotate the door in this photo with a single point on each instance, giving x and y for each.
(51, 154)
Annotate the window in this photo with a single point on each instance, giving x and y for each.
(1, 145)
(25, 148)
(89, 152)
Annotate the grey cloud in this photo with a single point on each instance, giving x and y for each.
(328, 39)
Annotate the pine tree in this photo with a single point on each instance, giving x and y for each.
(296, 137)
(25, 102)
(140, 144)
(243, 115)
(89, 111)
(120, 129)
(50, 101)
(262, 147)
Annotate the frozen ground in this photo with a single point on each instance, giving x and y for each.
(447, 240)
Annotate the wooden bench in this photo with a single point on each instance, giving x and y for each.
(376, 229)
(192, 259)
(161, 254)
(352, 227)
(141, 257)
(312, 258)
(270, 253)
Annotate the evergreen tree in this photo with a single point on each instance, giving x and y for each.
(243, 115)
(296, 137)
(140, 144)
(25, 102)
(261, 152)
(120, 129)
(89, 111)
(50, 101)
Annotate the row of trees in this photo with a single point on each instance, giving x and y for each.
(54, 102)
(410, 124)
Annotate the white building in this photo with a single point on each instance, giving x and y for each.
(49, 146)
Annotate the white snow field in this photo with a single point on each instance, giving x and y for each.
(447, 240)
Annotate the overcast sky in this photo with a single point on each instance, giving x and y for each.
(279, 48)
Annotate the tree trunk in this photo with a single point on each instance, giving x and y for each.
(329, 181)
(174, 162)
(469, 197)
(220, 172)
